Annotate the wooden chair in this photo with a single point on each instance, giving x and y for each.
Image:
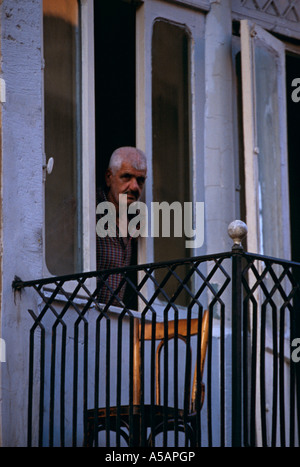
(158, 417)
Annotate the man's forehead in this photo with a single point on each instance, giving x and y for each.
(128, 167)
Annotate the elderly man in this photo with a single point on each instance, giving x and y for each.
(126, 175)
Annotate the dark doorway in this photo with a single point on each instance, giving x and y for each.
(293, 124)
(114, 79)
(115, 90)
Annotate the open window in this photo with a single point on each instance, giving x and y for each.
(265, 142)
(170, 120)
(171, 149)
(69, 136)
(105, 87)
(63, 132)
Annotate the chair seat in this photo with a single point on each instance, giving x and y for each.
(147, 410)
(151, 416)
(131, 417)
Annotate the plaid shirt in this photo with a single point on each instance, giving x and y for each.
(112, 252)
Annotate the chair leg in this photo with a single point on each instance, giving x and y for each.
(89, 437)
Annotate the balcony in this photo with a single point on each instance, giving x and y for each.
(226, 326)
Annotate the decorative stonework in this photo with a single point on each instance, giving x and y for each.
(286, 9)
(281, 16)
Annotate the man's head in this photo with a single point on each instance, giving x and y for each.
(126, 174)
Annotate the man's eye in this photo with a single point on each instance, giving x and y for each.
(126, 177)
(141, 180)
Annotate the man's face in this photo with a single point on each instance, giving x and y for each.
(126, 181)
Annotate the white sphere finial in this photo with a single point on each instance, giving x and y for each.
(237, 230)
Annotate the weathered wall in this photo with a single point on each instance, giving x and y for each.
(22, 146)
(219, 148)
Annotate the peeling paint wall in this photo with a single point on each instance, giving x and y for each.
(22, 146)
(219, 148)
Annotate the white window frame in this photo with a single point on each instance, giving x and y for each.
(88, 150)
(88, 137)
(251, 150)
(194, 21)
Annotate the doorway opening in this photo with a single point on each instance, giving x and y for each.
(114, 80)
(115, 125)
(293, 125)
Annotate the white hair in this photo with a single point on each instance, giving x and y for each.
(135, 156)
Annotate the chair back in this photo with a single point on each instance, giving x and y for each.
(183, 329)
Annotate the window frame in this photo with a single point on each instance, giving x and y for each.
(146, 15)
(194, 22)
(251, 150)
(88, 152)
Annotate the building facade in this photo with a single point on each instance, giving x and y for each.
(209, 89)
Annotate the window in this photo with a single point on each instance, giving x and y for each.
(69, 136)
(170, 127)
(171, 135)
(62, 87)
(107, 56)
(170, 117)
(265, 142)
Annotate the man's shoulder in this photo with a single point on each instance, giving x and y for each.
(100, 195)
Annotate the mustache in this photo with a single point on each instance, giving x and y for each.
(131, 193)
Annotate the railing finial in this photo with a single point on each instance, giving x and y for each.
(237, 230)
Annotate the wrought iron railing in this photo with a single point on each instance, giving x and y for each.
(92, 376)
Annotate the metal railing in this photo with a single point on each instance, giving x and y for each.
(84, 384)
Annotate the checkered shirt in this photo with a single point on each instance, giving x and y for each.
(112, 252)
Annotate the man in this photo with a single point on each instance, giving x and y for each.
(126, 175)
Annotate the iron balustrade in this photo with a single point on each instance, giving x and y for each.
(81, 356)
